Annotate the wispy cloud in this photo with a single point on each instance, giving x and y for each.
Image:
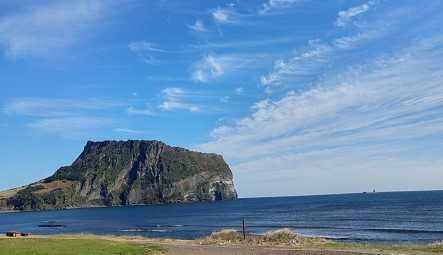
(239, 90)
(69, 126)
(50, 107)
(198, 26)
(62, 116)
(221, 15)
(345, 16)
(212, 67)
(316, 57)
(301, 64)
(178, 99)
(133, 111)
(276, 4)
(348, 42)
(368, 117)
(208, 68)
(125, 130)
(167, 78)
(227, 15)
(46, 30)
(144, 51)
(144, 46)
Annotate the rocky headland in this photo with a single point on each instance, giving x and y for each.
(121, 173)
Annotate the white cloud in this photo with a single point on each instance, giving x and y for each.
(221, 15)
(125, 130)
(68, 126)
(177, 99)
(50, 107)
(144, 51)
(199, 75)
(144, 46)
(225, 99)
(301, 64)
(239, 90)
(198, 26)
(345, 16)
(316, 57)
(171, 106)
(133, 111)
(348, 42)
(208, 68)
(370, 119)
(212, 67)
(276, 4)
(67, 117)
(46, 30)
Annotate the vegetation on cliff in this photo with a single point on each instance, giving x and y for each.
(127, 173)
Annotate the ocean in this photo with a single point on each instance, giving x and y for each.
(391, 218)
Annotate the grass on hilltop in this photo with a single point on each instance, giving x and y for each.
(60, 245)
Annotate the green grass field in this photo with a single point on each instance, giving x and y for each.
(65, 246)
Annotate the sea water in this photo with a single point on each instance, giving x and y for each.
(392, 218)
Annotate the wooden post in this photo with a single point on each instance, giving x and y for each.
(244, 229)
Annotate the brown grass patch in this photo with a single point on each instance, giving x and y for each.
(437, 244)
(10, 192)
(48, 187)
(278, 237)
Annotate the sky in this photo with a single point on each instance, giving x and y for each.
(300, 97)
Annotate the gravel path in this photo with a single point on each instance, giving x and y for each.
(174, 249)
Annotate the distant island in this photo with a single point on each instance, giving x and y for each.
(122, 173)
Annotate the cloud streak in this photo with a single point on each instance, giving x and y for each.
(144, 46)
(316, 57)
(174, 99)
(125, 130)
(221, 15)
(133, 111)
(66, 117)
(276, 4)
(213, 67)
(50, 107)
(357, 119)
(345, 16)
(198, 26)
(46, 30)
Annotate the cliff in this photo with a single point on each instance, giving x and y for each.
(114, 173)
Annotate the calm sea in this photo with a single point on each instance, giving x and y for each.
(397, 217)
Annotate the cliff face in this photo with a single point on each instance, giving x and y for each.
(114, 173)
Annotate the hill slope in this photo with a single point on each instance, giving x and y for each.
(133, 172)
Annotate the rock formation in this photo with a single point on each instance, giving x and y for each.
(114, 173)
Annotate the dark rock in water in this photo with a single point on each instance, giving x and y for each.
(51, 226)
(134, 172)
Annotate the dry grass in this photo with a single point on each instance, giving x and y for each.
(10, 192)
(278, 237)
(437, 244)
(48, 187)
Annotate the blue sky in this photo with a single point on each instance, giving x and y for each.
(300, 97)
